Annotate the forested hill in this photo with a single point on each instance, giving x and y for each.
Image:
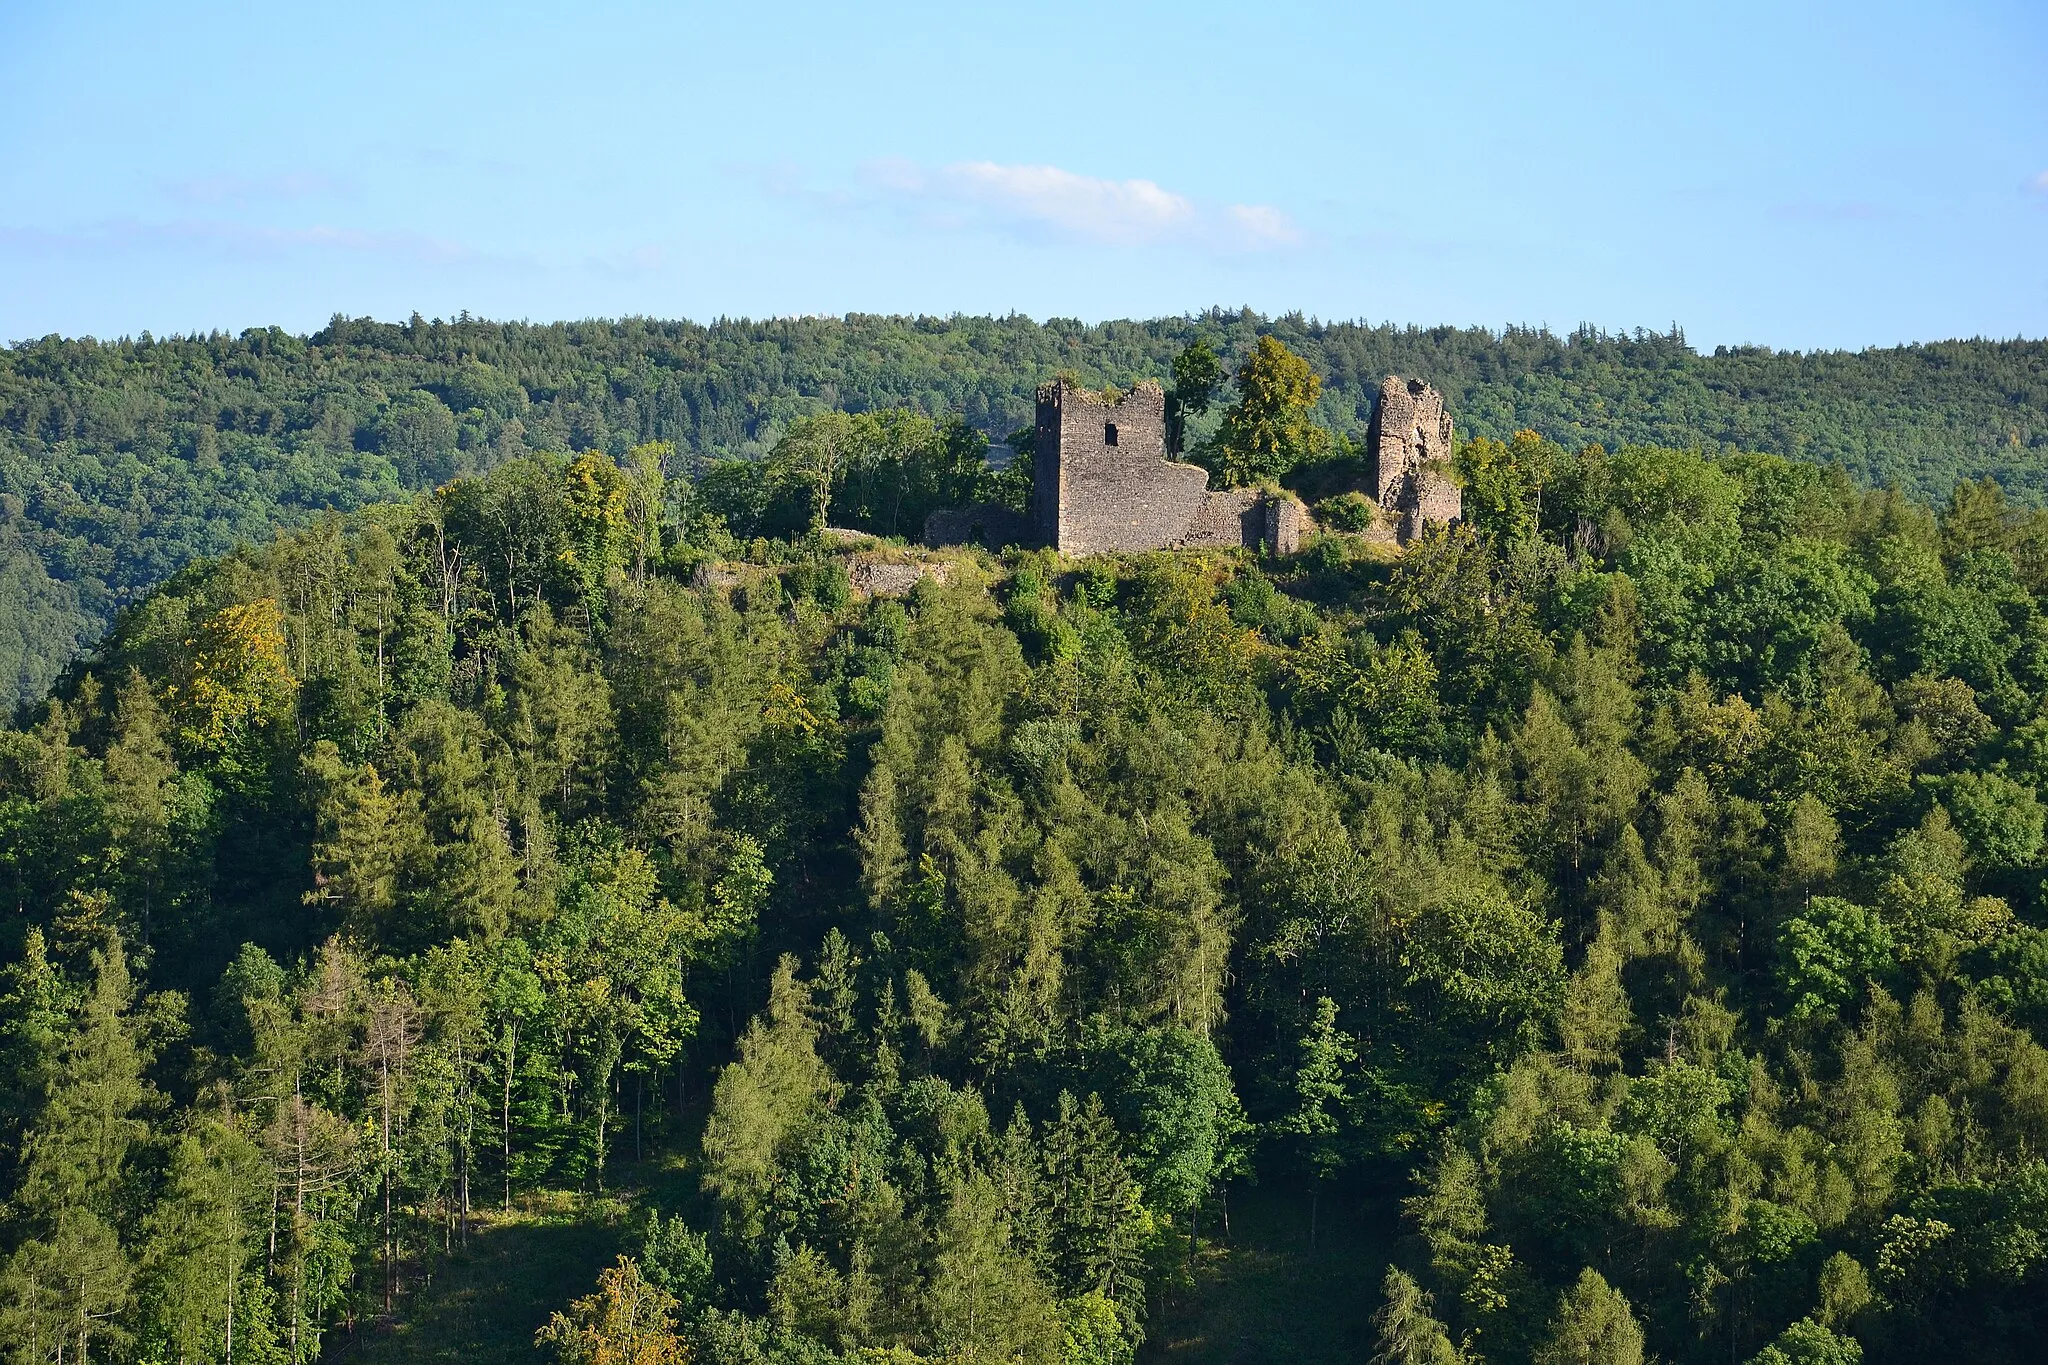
(121, 461)
(1611, 930)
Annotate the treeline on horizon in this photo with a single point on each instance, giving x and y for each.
(121, 461)
(1643, 879)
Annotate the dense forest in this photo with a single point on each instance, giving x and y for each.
(122, 461)
(1630, 900)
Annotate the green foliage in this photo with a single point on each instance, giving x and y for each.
(1197, 374)
(1321, 1096)
(1180, 1113)
(1408, 1334)
(1269, 431)
(2001, 820)
(1503, 482)
(127, 459)
(1648, 880)
(1593, 1326)
(1806, 1342)
(1351, 511)
(1828, 954)
(627, 1321)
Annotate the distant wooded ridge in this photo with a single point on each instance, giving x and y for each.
(121, 461)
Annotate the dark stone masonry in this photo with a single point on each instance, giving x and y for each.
(1102, 481)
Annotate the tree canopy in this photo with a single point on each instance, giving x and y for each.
(123, 460)
(1630, 900)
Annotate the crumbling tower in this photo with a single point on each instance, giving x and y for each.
(1410, 445)
(1101, 481)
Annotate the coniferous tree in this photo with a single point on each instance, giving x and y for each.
(1408, 1335)
(69, 1279)
(1593, 1326)
(1321, 1099)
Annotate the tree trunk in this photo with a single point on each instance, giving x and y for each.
(511, 1051)
(384, 1145)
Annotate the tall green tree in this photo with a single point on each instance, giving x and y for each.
(69, 1282)
(1269, 431)
(1321, 1098)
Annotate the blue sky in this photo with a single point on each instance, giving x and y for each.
(1797, 175)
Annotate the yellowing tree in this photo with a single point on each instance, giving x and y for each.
(238, 680)
(596, 494)
(628, 1321)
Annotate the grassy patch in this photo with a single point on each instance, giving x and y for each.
(488, 1300)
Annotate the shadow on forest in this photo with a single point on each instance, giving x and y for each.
(487, 1301)
(1266, 1296)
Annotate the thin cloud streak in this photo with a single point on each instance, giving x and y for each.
(250, 189)
(235, 241)
(1048, 201)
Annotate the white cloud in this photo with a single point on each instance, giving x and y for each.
(2039, 184)
(1050, 201)
(1120, 212)
(1264, 225)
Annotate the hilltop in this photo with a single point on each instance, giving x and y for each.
(1610, 927)
(121, 461)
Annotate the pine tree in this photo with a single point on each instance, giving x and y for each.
(139, 773)
(1093, 1205)
(1018, 1173)
(768, 1089)
(1813, 845)
(204, 1296)
(365, 848)
(984, 1299)
(33, 1017)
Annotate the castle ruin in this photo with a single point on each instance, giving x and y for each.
(1410, 450)
(1102, 481)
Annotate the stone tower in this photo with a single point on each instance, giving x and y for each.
(1102, 479)
(1410, 445)
(1101, 482)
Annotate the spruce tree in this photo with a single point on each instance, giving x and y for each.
(69, 1278)
(1321, 1099)
(1408, 1334)
(1593, 1326)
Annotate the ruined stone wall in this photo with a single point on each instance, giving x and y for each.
(1093, 495)
(1101, 481)
(1283, 522)
(1409, 448)
(1249, 517)
(1229, 516)
(983, 523)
